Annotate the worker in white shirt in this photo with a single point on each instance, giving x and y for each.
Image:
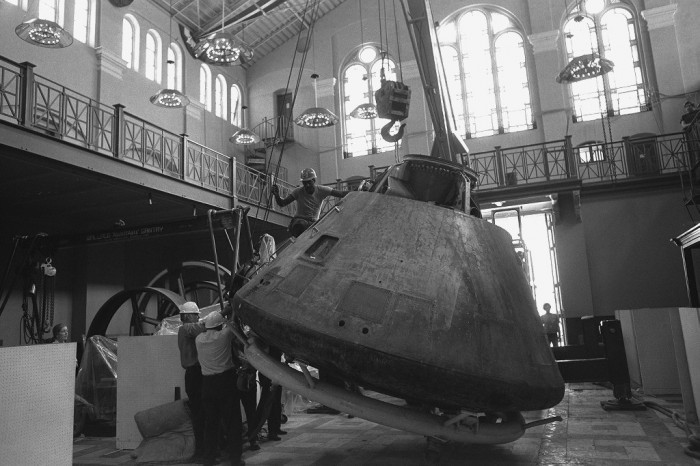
(220, 398)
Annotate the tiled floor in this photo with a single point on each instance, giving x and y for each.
(588, 435)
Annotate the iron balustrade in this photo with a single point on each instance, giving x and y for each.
(40, 104)
(208, 168)
(254, 186)
(10, 91)
(71, 116)
(151, 147)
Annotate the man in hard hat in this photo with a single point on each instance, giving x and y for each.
(220, 397)
(186, 334)
(309, 198)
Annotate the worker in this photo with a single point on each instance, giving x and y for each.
(186, 335)
(550, 322)
(309, 198)
(220, 397)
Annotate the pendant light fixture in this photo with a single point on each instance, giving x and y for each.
(244, 135)
(170, 98)
(220, 48)
(316, 117)
(367, 110)
(44, 33)
(585, 66)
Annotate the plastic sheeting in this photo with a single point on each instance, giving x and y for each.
(293, 403)
(96, 382)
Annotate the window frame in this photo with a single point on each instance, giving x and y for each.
(514, 27)
(153, 71)
(173, 72)
(236, 117)
(133, 60)
(220, 96)
(90, 21)
(376, 144)
(58, 7)
(598, 30)
(205, 84)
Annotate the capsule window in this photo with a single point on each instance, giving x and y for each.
(320, 250)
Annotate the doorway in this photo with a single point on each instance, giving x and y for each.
(283, 115)
(533, 239)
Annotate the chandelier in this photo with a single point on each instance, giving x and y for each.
(221, 48)
(44, 33)
(316, 117)
(585, 67)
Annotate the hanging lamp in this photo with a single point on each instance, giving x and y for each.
(170, 98)
(586, 66)
(367, 110)
(221, 48)
(44, 33)
(316, 117)
(244, 135)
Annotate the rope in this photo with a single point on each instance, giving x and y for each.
(398, 43)
(268, 202)
(693, 449)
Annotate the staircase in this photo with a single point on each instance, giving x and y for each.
(270, 131)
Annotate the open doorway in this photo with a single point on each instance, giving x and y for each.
(283, 114)
(533, 240)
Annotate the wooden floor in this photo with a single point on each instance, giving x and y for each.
(588, 435)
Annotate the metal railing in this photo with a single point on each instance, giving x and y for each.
(42, 105)
(39, 104)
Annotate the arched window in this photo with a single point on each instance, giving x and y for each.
(486, 67)
(236, 106)
(20, 3)
(52, 10)
(220, 96)
(84, 21)
(205, 86)
(153, 56)
(361, 78)
(130, 42)
(607, 28)
(174, 67)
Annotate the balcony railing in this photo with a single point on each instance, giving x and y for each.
(40, 104)
(43, 105)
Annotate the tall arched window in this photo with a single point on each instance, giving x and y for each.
(205, 86)
(20, 3)
(84, 21)
(485, 62)
(220, 96)
(361, 78)
(607, 28)
(174, 67)
(53, 10)
(236, 106)
(153, 56)
(130, 42)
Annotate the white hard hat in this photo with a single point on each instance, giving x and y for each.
(214, 320)
(189, 308)
(307, 174)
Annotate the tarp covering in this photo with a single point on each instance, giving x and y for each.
(96, 382)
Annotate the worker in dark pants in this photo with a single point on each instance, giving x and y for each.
(274, 418)
(186, 334)
(220, 397)
(248, 388)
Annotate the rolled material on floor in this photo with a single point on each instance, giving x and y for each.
(163, 418)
